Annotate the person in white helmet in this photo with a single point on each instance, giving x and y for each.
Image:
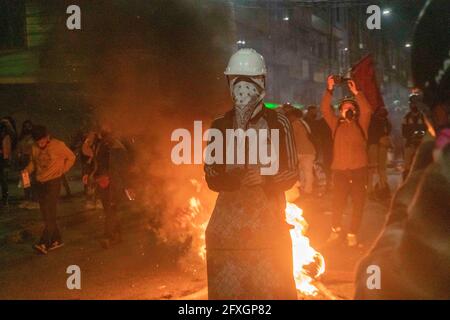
(249, 253)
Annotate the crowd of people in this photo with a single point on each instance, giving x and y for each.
(350, 148)
(42, 162)
(316, 139)
(351, 144)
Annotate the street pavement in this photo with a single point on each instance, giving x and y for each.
(139, 268)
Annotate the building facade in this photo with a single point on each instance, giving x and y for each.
(305, 41)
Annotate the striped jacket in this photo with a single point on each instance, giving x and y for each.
(220, 180)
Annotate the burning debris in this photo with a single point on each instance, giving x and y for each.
(308, 263)
(184, 228)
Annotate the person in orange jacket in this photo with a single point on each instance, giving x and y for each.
(350, 159)
(50, 160)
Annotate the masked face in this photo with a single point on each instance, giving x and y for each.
(348, 111)
(247, 93)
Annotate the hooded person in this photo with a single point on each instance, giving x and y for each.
(413, 251)
(249, 251)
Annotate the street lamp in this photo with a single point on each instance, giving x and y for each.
(387, 12)
(286, 18)
(408, 45)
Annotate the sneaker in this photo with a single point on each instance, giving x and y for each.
(55, 245)
(352, 241)
(335, 234)
(40, 248)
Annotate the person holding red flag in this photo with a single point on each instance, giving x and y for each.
(350, 159)
(364, 74)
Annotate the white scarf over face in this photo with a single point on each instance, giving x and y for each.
(247, 93)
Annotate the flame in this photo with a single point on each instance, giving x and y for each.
(308, 263)
(305, 257)
(195, 208)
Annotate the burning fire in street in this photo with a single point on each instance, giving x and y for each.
(183, 227)
(308, 263)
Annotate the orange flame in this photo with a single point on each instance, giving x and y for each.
(308, 263)
(303, 254)
(195, 209)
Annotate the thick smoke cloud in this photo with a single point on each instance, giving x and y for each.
(147, 68)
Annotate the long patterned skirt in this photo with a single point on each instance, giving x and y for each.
(249, 250)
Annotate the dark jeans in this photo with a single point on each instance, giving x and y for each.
(48, 194)
(30, 194)
(109, 199)
(3, 179)
(351, 183)
(66, 186)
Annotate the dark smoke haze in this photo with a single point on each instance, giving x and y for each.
(148, 67)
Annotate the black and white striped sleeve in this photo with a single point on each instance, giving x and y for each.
(287, 174)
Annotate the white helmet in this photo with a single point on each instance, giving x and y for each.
(246, 62)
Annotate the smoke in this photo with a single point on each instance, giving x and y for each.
(148, 68)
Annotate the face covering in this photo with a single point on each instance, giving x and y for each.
(349, 114)
(247, 93)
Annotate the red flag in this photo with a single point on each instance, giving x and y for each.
(364, 75)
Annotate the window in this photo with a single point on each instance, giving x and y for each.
(12, 24)
(338, 15)
(305, 69)
(320, 50)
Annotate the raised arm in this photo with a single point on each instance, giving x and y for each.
(365, 111)
(325, 106)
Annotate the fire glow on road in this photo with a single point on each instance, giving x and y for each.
(303, 254)
(308, 264)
